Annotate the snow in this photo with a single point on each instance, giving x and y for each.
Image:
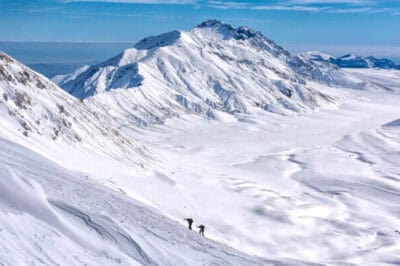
(158, 41)
(312, 178)
(301, 187)
(71, 76)
(211, 67)
(320, 187)
(316, 55)
(351, 61)
(34, 108)
(52, 215)
(386, 79)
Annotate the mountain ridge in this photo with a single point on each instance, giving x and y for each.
(40, 111)
(212, 68)
(351, 61)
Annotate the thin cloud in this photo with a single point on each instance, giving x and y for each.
(181, 2)
(289, 8)
(327, 6)
(327, 2)
(247, 5)
(228, 5)
(364, 10)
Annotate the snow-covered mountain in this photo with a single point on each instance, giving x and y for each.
(351, 61)
(35, 112)
(52, 214)
(212, 70)
(78, 184)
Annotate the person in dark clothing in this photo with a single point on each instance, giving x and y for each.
(190, 222)
(201, 231)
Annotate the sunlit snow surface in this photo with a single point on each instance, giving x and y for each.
(50, 215)
(320, 187)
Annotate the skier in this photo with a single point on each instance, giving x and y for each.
(190, 222)
(201, 231)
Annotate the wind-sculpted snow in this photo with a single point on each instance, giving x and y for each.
(110, 231)
(212, 68)
(395, 123)
(50, 215)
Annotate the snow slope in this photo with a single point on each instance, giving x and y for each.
(37, 113)
(50, 215)
(53, 208)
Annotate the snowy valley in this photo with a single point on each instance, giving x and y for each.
(287, 159)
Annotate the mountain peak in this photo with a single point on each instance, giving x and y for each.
(224, 31)
(214, 29)
(315, 56)
(228, 31)
(214, 23)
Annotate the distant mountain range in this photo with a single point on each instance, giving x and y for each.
(351, 61)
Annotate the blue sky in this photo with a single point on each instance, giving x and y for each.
(370, 26)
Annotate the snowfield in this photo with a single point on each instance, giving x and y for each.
(310, 177)
(322, 187)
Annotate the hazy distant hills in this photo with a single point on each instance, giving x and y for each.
(352, 61)
(56, 58)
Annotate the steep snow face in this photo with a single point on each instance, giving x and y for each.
(211, 69)
(35, 112)
(120, 71)
(351, 61)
